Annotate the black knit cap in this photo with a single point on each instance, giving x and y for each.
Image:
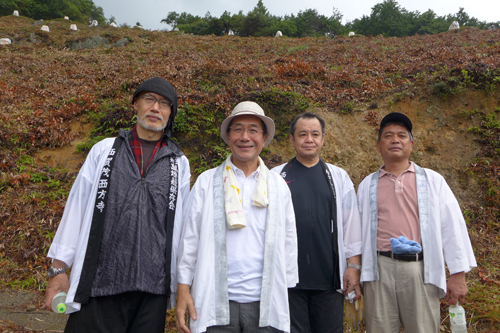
(396, 117)
(162, 87)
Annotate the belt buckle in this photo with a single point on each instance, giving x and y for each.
(392, 255)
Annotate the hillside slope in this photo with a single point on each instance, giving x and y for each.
(54, 100)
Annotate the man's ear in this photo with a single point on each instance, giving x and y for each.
(291, 137)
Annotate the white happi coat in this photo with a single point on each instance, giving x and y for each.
(348, 221)
(203, 257)
(444, 234)
(70, 241)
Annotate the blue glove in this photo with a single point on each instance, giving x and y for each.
(402, 245)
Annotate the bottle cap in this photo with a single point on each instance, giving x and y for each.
(61, 308)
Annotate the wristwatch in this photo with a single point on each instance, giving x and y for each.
(54, 271)
(358, 267)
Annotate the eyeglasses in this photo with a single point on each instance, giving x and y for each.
(239, 130)
(150, 100)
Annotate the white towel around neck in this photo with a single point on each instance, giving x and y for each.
(235, 216)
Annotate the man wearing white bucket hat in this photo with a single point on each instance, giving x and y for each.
(238, 248)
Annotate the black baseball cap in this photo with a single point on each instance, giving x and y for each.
(397, 117)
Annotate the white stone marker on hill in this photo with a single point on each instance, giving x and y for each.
(66, 18)
(230, 33)
(454, 25)
(73, 27)
(113, 24)
(16, 13)
(351, 34)
(278, 34)
(45, 28)
(94, 23)
(5, 41)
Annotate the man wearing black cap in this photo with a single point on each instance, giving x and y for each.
(121, 225)
(412, 226)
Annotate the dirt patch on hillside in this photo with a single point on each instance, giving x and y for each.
(66, 157)
(442, 140)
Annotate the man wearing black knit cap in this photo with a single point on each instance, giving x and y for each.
(121, 225)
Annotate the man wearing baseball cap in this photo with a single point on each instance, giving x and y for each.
(412, 229)
(238, 248)
(121, 225)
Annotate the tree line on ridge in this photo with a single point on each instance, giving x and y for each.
(387, 18)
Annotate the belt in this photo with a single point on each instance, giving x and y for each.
(403, 257)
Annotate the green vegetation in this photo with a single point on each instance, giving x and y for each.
(282, 107)
(76, 10)
(198, 126)
(387, 18)
(447, 82)
(484, 220)
(348, 107)
(108, 119)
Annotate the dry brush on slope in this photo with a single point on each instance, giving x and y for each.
(45, 87)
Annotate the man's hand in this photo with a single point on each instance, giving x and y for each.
(184, 303)
(56, 284)
(351, 277)
(351, 282)
(456, 289)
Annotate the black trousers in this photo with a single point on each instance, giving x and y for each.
(316, 311)
(133, 312)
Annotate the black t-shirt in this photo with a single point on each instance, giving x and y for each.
(312, 201)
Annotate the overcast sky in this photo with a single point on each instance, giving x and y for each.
(150, 12)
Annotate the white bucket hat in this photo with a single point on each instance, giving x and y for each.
(252, 109)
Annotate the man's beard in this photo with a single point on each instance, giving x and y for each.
(151, 127)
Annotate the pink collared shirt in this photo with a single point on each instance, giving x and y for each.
(397, 207)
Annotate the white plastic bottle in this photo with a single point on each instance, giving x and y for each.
(457, 319)
(58, 302)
